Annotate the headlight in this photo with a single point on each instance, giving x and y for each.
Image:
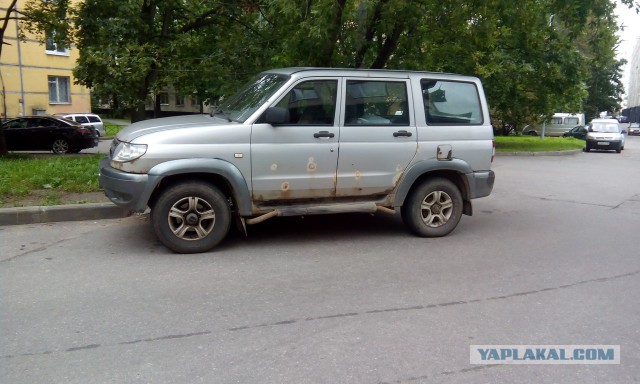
(125, 152)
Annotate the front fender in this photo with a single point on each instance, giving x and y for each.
(225, 169)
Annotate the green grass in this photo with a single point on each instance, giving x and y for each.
(22, 173)
(112, 129)
(536, 144)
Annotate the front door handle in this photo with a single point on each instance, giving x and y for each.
(402, 133)
(326, 134)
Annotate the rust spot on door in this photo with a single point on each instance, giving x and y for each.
(311, 165)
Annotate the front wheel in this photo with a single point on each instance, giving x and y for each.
(433, 209)
(191, 217)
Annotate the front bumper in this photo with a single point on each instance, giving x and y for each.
(611, 145)
(127, 190)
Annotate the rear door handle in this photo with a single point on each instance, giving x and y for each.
(402, 133)
(320, 134)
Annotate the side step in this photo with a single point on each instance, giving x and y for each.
(302, 210)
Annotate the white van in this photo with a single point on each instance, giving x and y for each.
(557, 126)
(86, 119)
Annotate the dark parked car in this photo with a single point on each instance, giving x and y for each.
(48, 133)
(579, 132)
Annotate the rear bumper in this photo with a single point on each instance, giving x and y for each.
(480, 183)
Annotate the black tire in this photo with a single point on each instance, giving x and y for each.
(532, 133)
(433, 209)
(60, 146)
(191, 217)
(587, 148)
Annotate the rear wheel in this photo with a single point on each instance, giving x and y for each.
(60, 146)
(532, 133)
(191, 217)
(433, 209)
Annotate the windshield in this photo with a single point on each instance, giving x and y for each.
(605, 127)
(244, 103)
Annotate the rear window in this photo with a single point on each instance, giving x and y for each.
(451, 102)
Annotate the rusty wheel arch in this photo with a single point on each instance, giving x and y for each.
(214, 179)
(455, 177)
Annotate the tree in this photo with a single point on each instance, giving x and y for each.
(527, 55)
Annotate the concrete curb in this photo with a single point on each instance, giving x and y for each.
(545, 153)
(56, 213)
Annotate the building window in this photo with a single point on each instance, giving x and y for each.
(59, 90)
(53, 48)
(195, 101)
(179, 101)
(163, 98)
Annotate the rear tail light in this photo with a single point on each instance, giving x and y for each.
(84, 131)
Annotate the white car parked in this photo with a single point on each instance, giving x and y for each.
(86, 119)
(605, 134)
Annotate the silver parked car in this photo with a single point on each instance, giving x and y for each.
(605, 134)
(304, 141)
(86, 119)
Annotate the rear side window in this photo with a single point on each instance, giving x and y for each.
(81, 119)
(94, 119)
(451, 102)
(376, 103)
(571, 121)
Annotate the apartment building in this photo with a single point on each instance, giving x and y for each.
(36, 78)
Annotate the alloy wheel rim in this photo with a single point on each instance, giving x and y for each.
(191, 218)
(60, 146)
(436, 209)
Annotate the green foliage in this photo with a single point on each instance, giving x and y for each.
(535, 58)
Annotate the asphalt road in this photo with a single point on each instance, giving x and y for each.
(550, 258)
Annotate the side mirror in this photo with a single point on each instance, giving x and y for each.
(276, 116)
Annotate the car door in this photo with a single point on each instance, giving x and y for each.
(44, 131)
(298, 159)
(377, 138)
(15, 134)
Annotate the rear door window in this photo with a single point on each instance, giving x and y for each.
(81, 119)
(372, 102)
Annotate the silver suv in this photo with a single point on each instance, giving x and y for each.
(303, 141)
